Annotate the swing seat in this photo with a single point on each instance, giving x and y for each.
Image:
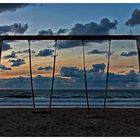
(40, 111)
(96, 116)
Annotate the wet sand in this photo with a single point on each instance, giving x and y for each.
(70, 122)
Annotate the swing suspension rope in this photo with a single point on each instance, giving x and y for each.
(138, 49)
(54, 64)
(85, 75)
(107, 74)
(31, 78)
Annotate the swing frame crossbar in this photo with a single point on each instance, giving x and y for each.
(69, 37)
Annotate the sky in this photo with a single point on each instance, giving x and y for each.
(70, 19)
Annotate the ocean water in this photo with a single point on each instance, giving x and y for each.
(70, 98)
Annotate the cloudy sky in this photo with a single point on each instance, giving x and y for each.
(69, 19)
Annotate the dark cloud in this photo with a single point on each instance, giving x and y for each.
(131, 53)
(45, 53)
(17, 62)
(62, 31)
(121, 71)
(98, 68)
(134, 19)
(76, 81)
(45, 32)
(25, 51)
(70, 72)
(24, 82)
(76, 72)
(2, 67)
(130, 66)
(11, 7)
(12, 55)
(47, 68)
(132, 76)
(6, 47)
(96, 51)
(50, 32)
(93, 28)
(16, 28)
(69, 44)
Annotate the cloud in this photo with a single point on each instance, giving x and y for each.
(130, 66)
(16, 28)
(98, 67)
(2, 67)
(12, 55)
(6, 47)
(24, 82)
(45, 32)
(92, 28)
(62, 31)
(96, 51)
(25, 51)
(11, 7)
(132, 76)
(47, 68)
(45, 53)
(69, 44)
(70, 72)
(121, 71)
(50, 32)
(131, 53)
(95, 80)
(17, 62)
(134, 19)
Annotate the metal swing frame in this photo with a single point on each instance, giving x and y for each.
(1, 44)
(138, 49)
(71, 37)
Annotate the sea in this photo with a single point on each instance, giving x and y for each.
(70, 98)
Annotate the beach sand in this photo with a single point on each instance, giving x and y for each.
(70, 122)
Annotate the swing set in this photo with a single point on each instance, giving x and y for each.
(83, 38)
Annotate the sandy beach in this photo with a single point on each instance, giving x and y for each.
(70, 122)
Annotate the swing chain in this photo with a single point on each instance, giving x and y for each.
(31, 79)
(55, 49)
(107, 74)
(29, 44)
(85, 77)
(83, 44)
(53, 76)
(109, 49)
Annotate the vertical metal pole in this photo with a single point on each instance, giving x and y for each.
(85, 75)
(52, 85)
(138, 49)
(107, 73)
(1, 43)
(31, 78)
